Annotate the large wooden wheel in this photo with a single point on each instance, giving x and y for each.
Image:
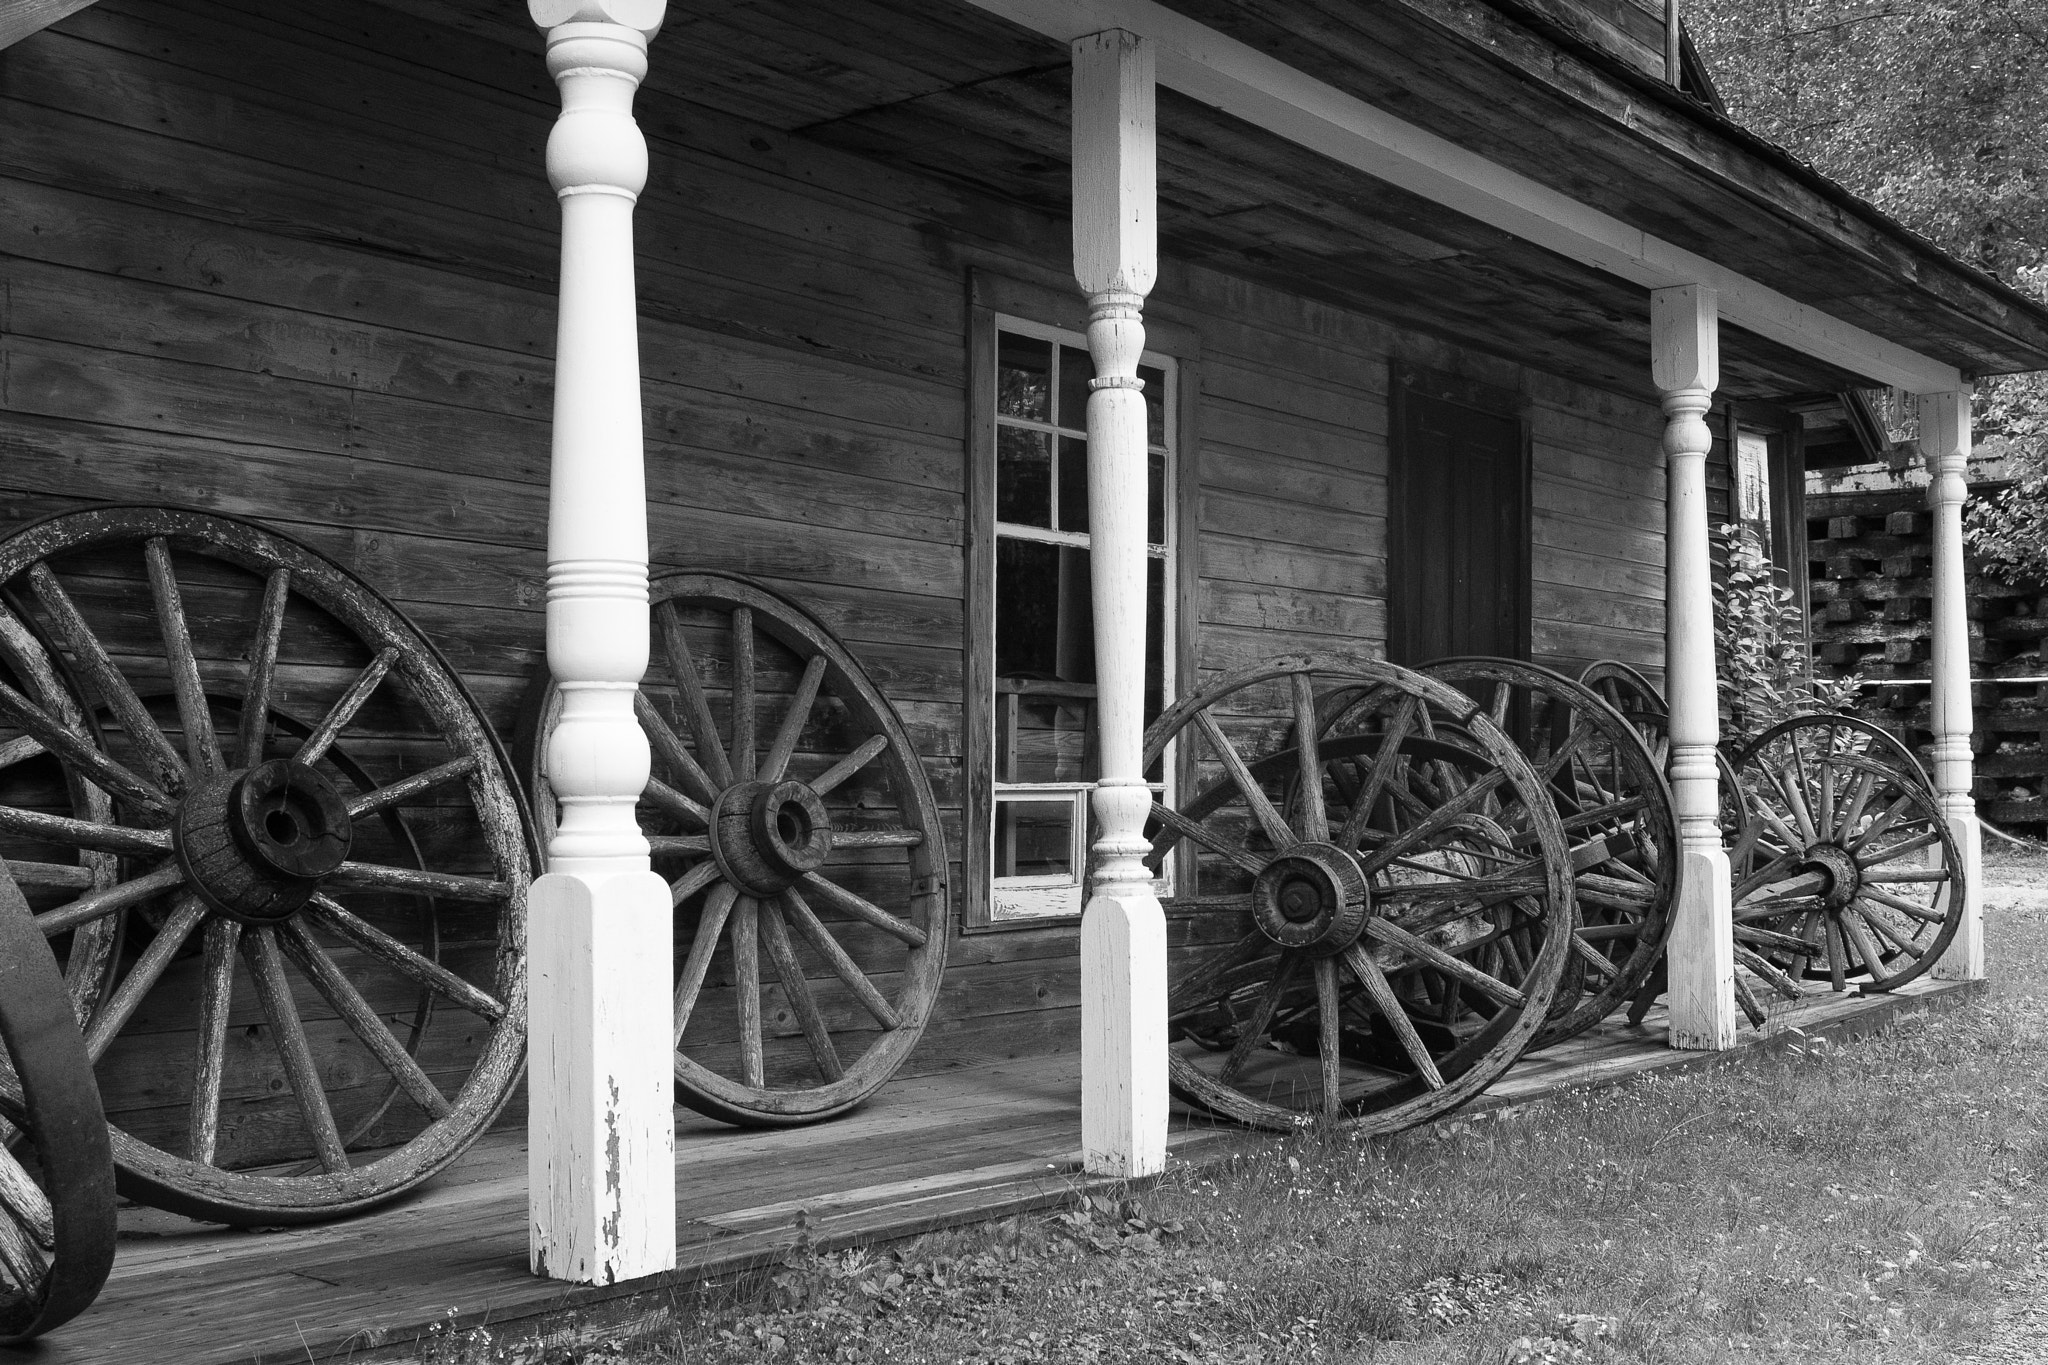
(56, 1167)
(1384, 916)
(808, 844)
(253, 911)
(1848, 872)
(1611, 795)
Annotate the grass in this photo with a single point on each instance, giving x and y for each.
(1864, 1202)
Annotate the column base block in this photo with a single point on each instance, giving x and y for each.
(601, 1175)
(1701, 956)
(1124, 1102)
(1964, 960)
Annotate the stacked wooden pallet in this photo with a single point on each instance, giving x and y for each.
(1872, 594)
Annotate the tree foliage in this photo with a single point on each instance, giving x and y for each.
(1937, 112)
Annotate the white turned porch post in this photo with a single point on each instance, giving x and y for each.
(1123, 929)
(1686, 367)
(1945, 441)
(601, 1135)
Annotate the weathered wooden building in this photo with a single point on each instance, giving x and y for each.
(300, 263)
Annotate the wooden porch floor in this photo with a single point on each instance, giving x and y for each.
(928, 1152)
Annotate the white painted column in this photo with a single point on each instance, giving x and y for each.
(1123, 929)
(1686, 367)
(1945, 441)
(601, 1196)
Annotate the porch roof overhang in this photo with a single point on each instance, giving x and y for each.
(1795, 259)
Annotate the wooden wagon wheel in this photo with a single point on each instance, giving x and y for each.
(1611, 795)
(1386, 914)
(1643, 706)
(820, 831)
(252, 868)
(1848, 872)
(56, 1167)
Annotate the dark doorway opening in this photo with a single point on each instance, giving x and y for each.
(1458, 528)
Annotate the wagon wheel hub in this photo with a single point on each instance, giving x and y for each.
(256, 844)
(767, 835)
(1311, 897)
(1844, 877)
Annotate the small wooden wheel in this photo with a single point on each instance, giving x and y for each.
(1385, 915)
(56, 1168)
(1848, 872)
(822, 832)
(249, 893)
(1610, 794)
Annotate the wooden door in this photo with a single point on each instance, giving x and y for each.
(1458, 531)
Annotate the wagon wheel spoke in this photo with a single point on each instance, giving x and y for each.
(1858, 934)
(1329, 1031)
(1199, 985)
(1315, 820)
(20, 751)
(1255, 798)
(693, 881)
(216, 996)
(1389, 1008)
(319, 967)
(1884, 929)
(712, 759)
(1761, 967)
(784, 745)
(743, 698)
(746, 966)
(25, 1263)
(147, 971)
(666, 798)
(28, 1208)
(100, 672)
(90, 907)
(80, 754)
(690, 983)
(669, 748)
(255, 722)
(1252, 1034)
(1376, 779)
(846, 767)
(1175, 823)
(1852, 808)
(344, 710)
(376, 876)
(202, 746)
(1894, 852)
(842, 899)
(405, 789)
(83, 834)
(796, 989)
(420, 970)
(1394, 936)
(813, 931)
(1824, 809)
(288, 1034)
(1464, 803)
(1882, 825)
(1919, 912)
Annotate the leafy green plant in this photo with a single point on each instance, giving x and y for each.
(1761, 659)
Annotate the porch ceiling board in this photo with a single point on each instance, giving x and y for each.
(1260, 207)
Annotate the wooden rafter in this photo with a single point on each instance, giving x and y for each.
(21, 18)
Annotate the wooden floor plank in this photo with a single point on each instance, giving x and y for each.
(928, 1152)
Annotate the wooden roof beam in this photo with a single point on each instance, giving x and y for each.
(21, 18)
(1242, 81)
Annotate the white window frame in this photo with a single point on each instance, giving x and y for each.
(1024, 898)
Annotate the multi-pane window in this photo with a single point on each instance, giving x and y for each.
(1044, 705)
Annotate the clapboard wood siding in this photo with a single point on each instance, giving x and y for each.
(299, 266)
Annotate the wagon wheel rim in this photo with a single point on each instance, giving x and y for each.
(1355, 893)
(57, 1221)
(236, 851)
(809, 883)
(1616, 808)
(1849, 874)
